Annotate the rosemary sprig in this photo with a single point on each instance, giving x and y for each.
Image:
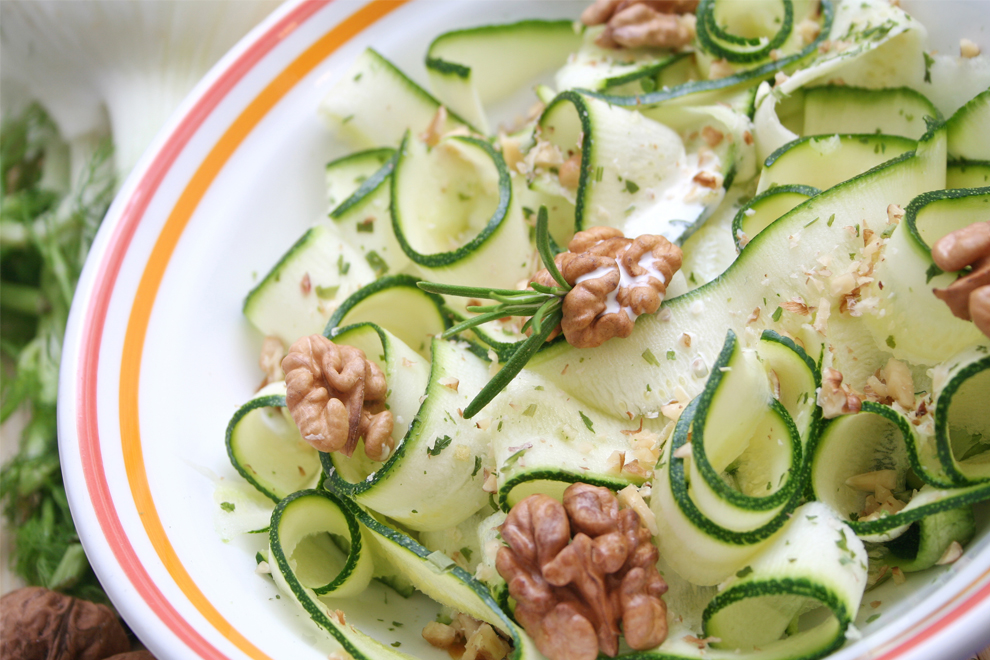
(543, 305)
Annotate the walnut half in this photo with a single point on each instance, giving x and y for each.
(969, 296)
(336, 396)
(643, 23)
(572, 593)
(615, 280)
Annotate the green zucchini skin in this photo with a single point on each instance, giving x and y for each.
(499, 215)
(747, 77)
(749, 225)
(244, 454)
(747, 50)
(425, 314)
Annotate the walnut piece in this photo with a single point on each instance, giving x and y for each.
(643, 23)
(615, 280)
(39, 624)
(336, 396)
(480, 640)
(969, 296)
(835, 397)
(572, 593)
(270, 360)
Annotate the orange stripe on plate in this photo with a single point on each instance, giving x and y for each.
(151, 280)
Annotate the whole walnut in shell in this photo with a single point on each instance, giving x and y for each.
(336, 396)
(39, 624)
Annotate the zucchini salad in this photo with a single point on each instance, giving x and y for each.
(689, 359)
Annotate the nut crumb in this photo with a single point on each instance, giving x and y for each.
(968, 49)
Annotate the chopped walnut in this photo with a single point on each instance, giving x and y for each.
(835, 397)
(270, 360)
(968, 49)
(337, 396)
(569, 172)
(480, 640)
(597, 262)
(969, 296)
(431, 136)
(572, 593)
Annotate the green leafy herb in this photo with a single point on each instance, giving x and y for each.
(744, 572)
(890, 341)
(342, 266)
(929, 61)
(542, 305)
(530, 410)
(933, 271)
(46, 235)
(467, 552)
(650, 358)
(376, 262)
(477, 465)
(631, 186)
(830, 220)
(366, 226)
(227, 506)
(671, 355)
(777, 313)
(439, 445)
(587, 421)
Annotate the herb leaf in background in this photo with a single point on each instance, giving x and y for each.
(47, 224)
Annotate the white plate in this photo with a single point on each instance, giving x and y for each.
(158, 355)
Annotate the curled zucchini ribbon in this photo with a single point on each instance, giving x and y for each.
(734, 470)
(738, 49)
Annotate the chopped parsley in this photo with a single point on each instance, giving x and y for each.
(587, 421)
(650, 358)
(439, 445)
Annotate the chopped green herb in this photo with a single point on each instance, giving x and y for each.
(327, 292)
(830, 220)
(439, 445)
(377, 263)
(872, 618)
(890, 341)
(467, 552)
(587, 421)
(366, 226)
(744, 572)
(650, 358)
(477, 465)
(631, 186)
(227, 506)
(671, 355)
(933, 271)
(342, 266)
(929, 61)
(812, 222)
(530, 410)
(777, 313)
(258, 558)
